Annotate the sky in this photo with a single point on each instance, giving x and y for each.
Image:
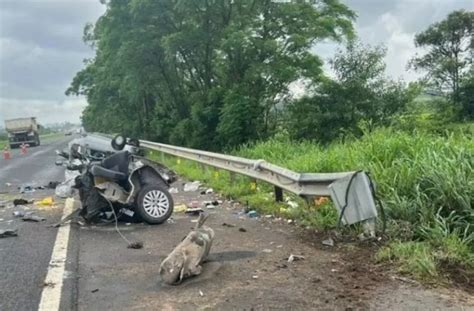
(41, 47)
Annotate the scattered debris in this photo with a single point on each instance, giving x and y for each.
(295, 258)
(135, 245)
(33, 218)
(48, 201)
(252, 214)
(192, 186)
(19, 213)
(21, 202)
(49, 284)
(282, 266)
(328, 242)
(268, 216)
(8, 184)
(196, 246)
(195, 211)
(26, 188)
(173, 190)
(209, 191)
(242, 230)
(95, 290)
(201, 293)
(291, 204)
(53, 184)
(170, 220)
(8, 233)
(180, 208)
(211, 204)
(228, 225)
(267, 250)
(290, 221)
(254, 277)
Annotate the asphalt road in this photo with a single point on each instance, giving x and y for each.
(24, 259)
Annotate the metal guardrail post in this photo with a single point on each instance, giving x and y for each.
(278, 194)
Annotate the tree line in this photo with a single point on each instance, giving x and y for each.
(215, 74)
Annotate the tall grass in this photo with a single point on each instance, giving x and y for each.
(425, 180)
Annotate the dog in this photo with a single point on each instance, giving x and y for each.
(187, 258)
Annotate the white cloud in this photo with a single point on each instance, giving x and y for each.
(46, 111)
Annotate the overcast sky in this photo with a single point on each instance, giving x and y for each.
(41, 47)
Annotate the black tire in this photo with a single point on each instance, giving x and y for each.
(154, 204)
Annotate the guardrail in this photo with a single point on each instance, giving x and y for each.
(351, 192)
(302, 184)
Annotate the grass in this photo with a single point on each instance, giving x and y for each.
(425, 181)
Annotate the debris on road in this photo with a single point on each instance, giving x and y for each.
(20, 214)
(8, 233)
(135, 245)
(8, 184)
(194, 211)
(295, 258)
(173, 190)
(53, 184)
(201, 293)
(192, 186)
(228, 225)
(95, 290)
(170, 220)
(209, 191)
(267, 250)
(197, 244)
(33, 218)
(3, 203)
(252, 214)
(242, 230)
(328, 242)
(254, 277)
(26, 188)
(48, 201)
(180, 208)
(211, 204)
(21, 202)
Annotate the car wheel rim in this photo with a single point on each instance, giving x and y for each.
(156, 203)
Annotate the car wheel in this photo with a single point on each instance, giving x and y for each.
(154, 204)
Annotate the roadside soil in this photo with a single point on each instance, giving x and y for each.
(248, 269)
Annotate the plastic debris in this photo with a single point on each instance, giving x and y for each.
(192, 186)
(8, 184)
(48, 201)
(267, 250)
(19, 214)
(291, 204)
(209, 191)
(201, 293)
(170, 220)
(173, 190)
(180, 208)
(242, 230)
(295, 258)
(33, 218)
(228, 225)
(8, 233)
(254, 277)
(252, 214)
(328, 242)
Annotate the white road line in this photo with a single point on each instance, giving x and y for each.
(51, 296)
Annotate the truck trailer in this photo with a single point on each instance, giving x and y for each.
(22, 130)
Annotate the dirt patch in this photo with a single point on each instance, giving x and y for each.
(459, 276)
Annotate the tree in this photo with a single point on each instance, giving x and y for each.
(450, 50)
(359, 98)
(206, 74)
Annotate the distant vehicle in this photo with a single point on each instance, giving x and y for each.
(22, 130)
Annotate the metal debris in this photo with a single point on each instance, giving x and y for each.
(295, 258)
(8, 233)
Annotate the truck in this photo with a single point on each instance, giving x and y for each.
(22, 130)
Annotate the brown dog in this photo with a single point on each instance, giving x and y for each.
(186, 259)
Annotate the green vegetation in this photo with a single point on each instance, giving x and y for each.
(424, 179)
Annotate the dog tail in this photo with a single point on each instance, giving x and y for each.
(202, 218)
